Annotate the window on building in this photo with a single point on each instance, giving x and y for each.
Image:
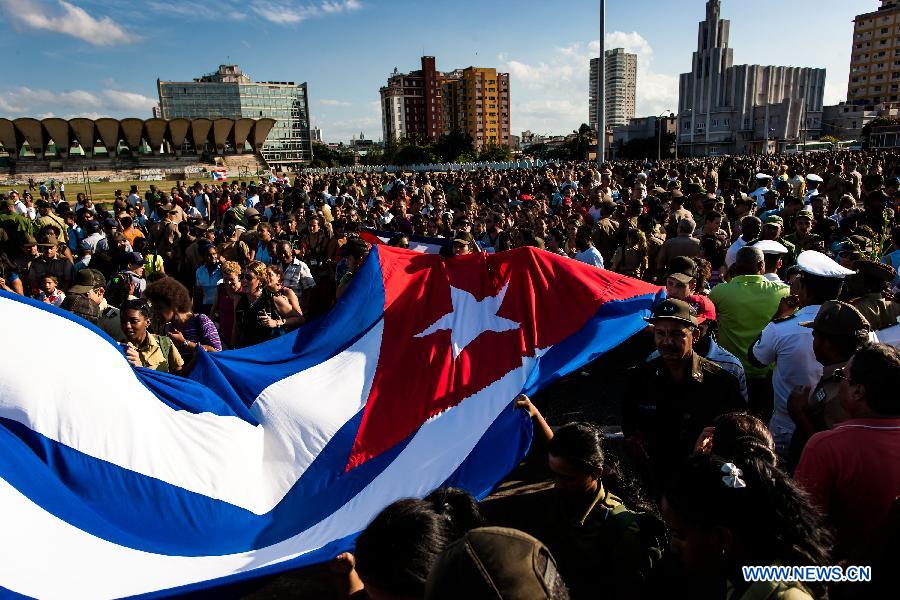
(714, 123)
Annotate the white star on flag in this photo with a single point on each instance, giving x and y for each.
(470, 318)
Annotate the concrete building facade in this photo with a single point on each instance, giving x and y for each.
(621, 88)
(643, 128)
(725, 108)
(231, 94)
(875, 56)
(426, 103)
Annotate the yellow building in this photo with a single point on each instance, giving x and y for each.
(875, 57)
(476, 100)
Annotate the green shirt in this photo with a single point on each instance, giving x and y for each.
(744, 306)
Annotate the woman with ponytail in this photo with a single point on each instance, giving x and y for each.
(725, 514)
(595, 522)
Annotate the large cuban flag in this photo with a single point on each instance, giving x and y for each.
(117, 481)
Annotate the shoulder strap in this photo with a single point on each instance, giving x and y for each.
(165, 345)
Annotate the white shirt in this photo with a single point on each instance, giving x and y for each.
(790, 347)
(809, 195)
(200, 201)
(590, 256)
(731, 254)
(759, 193)
(252, 201)
(774, 278)
(133, 200)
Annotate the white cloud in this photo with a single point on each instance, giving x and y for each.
(330, 102)
(291, 12)
(27, 102)
(63, 17)
(551, 96)
(198, 10)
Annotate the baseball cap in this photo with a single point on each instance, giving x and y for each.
(704, 307)
(135, 258)
(29, 240)
(494, 562)
(774, 219)
(251, 212)
(86, 280)
(682, 269)
(675, 310)
(838, 318)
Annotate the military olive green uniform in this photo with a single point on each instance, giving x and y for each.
(600, 551)
(879, 312)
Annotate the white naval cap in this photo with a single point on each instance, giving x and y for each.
(816, 263)
(814, 177)
(764, 176)
(770, 247)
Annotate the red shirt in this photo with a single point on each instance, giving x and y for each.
(852, 472)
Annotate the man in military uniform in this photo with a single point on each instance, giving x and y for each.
(49, 263)
(90, 284)
(48, 217)
(789, 345)
(802, 226)
(838, 330)
(867, 289)
(670, 399)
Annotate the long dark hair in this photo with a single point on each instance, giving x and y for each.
(584, 448)
(769, 513)
(398, 548)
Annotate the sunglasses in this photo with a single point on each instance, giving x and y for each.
(841, 373)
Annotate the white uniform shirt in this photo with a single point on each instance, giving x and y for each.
(790, 347)
(759, 194)
(590, 256)
(731, 254)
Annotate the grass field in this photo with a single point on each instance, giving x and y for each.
(105, 191)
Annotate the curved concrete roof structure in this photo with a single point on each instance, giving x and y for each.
(110, 133)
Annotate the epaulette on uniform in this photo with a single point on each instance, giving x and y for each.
(783, 319)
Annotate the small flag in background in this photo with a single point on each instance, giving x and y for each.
(220, 175)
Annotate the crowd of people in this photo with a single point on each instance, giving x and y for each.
(760, 427)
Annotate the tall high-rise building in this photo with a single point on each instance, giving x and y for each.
(231, 93)
(427, 103)
(875, 57)
(621, 87)
(726, 109)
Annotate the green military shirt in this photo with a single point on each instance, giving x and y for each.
(879, 312)
(592, 548)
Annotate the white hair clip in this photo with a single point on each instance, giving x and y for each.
(732, 477)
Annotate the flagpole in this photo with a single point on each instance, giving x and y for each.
(601, 92)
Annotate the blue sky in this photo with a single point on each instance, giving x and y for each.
(102, 57)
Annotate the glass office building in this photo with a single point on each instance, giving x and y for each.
(230, 93)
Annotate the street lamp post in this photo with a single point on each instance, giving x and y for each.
(659, 135)
(601, 90)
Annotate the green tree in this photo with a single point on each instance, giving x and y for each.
(450, 146)
(494, 153)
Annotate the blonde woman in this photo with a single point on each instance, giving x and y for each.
(228, 295)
